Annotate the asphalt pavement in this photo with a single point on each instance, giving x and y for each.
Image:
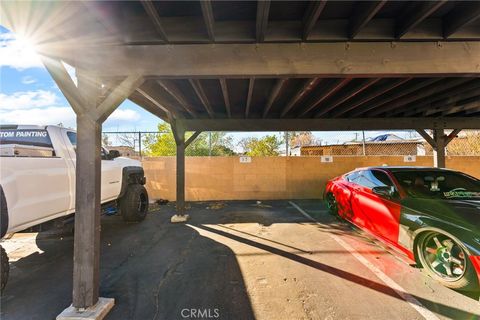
(232, 260)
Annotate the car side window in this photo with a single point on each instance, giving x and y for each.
(72, 136)
(352, 176)
(380, 179)
(373, 178)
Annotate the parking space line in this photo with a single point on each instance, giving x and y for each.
(414, 303)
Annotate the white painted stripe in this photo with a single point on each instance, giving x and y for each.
(414, 303)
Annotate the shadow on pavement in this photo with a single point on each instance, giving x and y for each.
(153, 269)
(442, 309)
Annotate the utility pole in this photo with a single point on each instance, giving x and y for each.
(209, 143)
(363, 143)
(140, 144)
(286, 143)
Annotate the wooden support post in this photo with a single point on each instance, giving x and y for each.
(87, 213)
(91, 111)
(86, 251)
(179, 135)
(439, 150)
(441, 142)
(438, 144)
(181, 178)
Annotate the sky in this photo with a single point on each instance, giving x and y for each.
(28, 95)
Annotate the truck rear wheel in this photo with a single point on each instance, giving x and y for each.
(5, 268)
(134, 203)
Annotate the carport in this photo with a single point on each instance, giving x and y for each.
(252, 66)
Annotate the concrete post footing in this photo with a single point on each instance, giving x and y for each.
(179, 218)
(96, 312)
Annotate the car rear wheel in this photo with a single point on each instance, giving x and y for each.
(332, 204)
(445, 260)
(134, 203)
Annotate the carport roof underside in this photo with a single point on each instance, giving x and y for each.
(263, 62)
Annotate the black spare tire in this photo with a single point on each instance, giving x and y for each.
(134, 203)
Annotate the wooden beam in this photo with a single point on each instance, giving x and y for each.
(119, 94)
(331, 89)
(468, 108)
(364, 12)
(451, 136)
(311, 17)
(226, 97)
(158, 111)
(103, 17)
(306, 88)
(440, 101)
(197, 87)
(345, 96)
(342, 110)
(251, 84)
(169, 111)
(175, 92)
(192, 138)
(273, 95)
(263, 10)
(208, 17)
(411, 19)
(427, 137)
(445, 106)
(65, 83)
(432, 90)
(411, 87)
(472, 108)
(152, 13)
(359, 59)
(462, 15)
(322, 124)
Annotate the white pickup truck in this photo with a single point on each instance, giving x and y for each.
(37, 180)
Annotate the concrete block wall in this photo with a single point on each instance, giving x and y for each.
(268, 178)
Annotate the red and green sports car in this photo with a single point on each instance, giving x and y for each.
(431, 215)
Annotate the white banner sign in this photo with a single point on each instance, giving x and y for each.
(409, 158)
(326, 158)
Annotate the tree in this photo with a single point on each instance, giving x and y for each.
(126, 139)
(302, 138)
(163, 144)
(266, 146)
(105, 140)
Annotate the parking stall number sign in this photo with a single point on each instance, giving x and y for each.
(245, 159)
(326, 158)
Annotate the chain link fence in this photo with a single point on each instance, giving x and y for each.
(381, 143)
(338, 143)
(128, 143)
